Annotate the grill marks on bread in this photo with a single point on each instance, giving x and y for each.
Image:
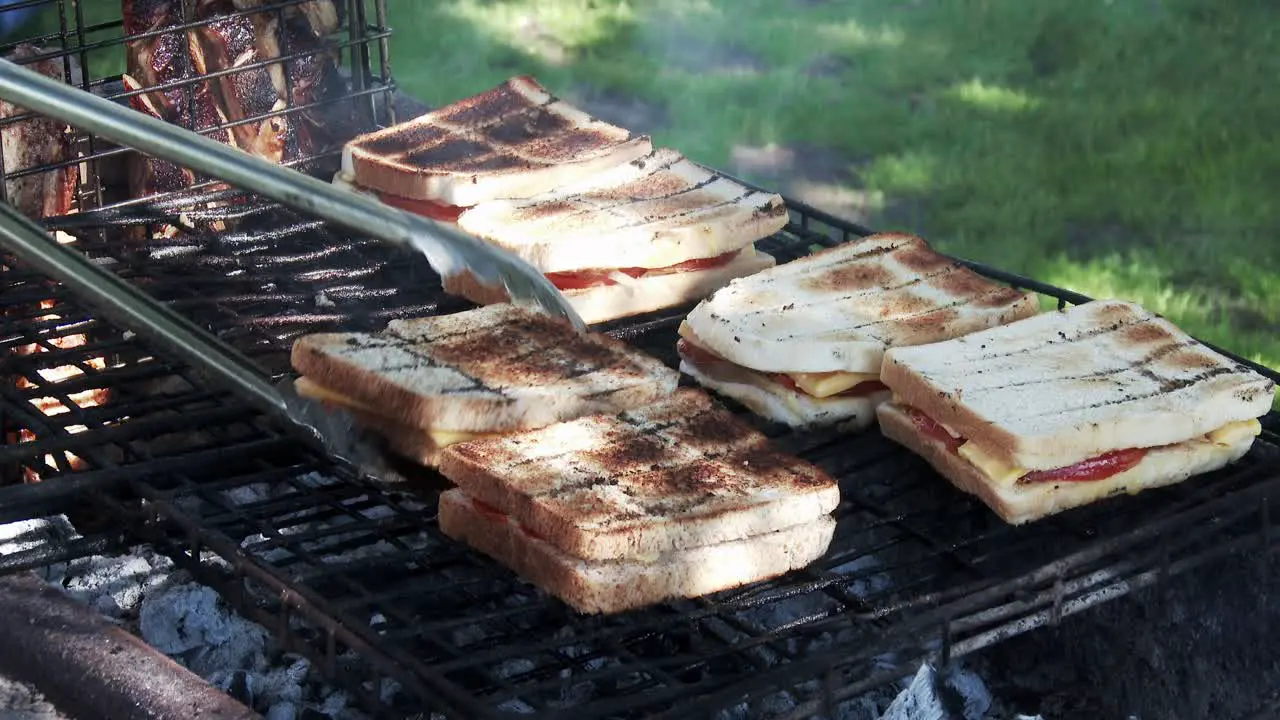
(490, 369)
(516, 126)
(889, 288)
(1065, 386)
(655, 211)
(677, 474)
(847, 304)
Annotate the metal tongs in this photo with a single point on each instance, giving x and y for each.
(447, 250)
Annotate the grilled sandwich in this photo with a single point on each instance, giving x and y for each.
(515, 140)
(614, 512)
(619, 227)
(801, 343)
(430, 382)
(653, 233)
(1070, 407)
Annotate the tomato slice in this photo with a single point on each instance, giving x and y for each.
(581, 279)
(696, 354)
(1097, 468)
(426, 208)
(489, 511)
(932, 428)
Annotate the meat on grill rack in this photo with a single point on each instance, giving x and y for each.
(256, 94)
(36, 142)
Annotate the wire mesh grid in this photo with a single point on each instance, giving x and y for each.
(360, 577)
(289, 80)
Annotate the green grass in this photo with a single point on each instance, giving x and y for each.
(1120, 148)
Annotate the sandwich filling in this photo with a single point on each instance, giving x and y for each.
(435, 438)
(577, 279)
(426, 208)
(818, 385)
(1092, 469)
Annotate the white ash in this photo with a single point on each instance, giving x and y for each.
(930, 697)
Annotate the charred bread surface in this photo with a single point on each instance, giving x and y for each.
(1064, 386)
(515, 140)
(840, 308)
(655, 211)
(671, 476)
(486, 370)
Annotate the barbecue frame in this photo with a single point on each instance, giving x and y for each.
(181, 474)
(964, 581)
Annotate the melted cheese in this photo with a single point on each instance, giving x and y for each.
(996, 470)
(818, 384)
(1235, 432)
(445, 438)
(826, 384)
(307, 387)
(439, 438)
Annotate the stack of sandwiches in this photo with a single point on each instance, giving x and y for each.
(427, 383)
(620, 227)
(578, 462)
(1070, 407)
(802, 343)
(615, 512)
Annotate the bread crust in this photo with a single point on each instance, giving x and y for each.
(1020, 504)
(440, 373)
(669, 476)
(845, 305)
(603, 303)
(616, 586)
(1060, 387)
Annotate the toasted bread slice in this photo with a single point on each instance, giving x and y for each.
(488, 370)
(656, 211)
(1019, 503)
(839, 309)
(1065, 386)
(617, 585)
(515, 140)
(629, 296)
(676, 475)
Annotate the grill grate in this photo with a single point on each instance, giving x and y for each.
(360, 578)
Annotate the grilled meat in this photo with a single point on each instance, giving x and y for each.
(232, 43)
(321, 16)
(227, 41)
(35, 142)
(160, 60)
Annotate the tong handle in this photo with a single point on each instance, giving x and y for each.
(448, 250)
